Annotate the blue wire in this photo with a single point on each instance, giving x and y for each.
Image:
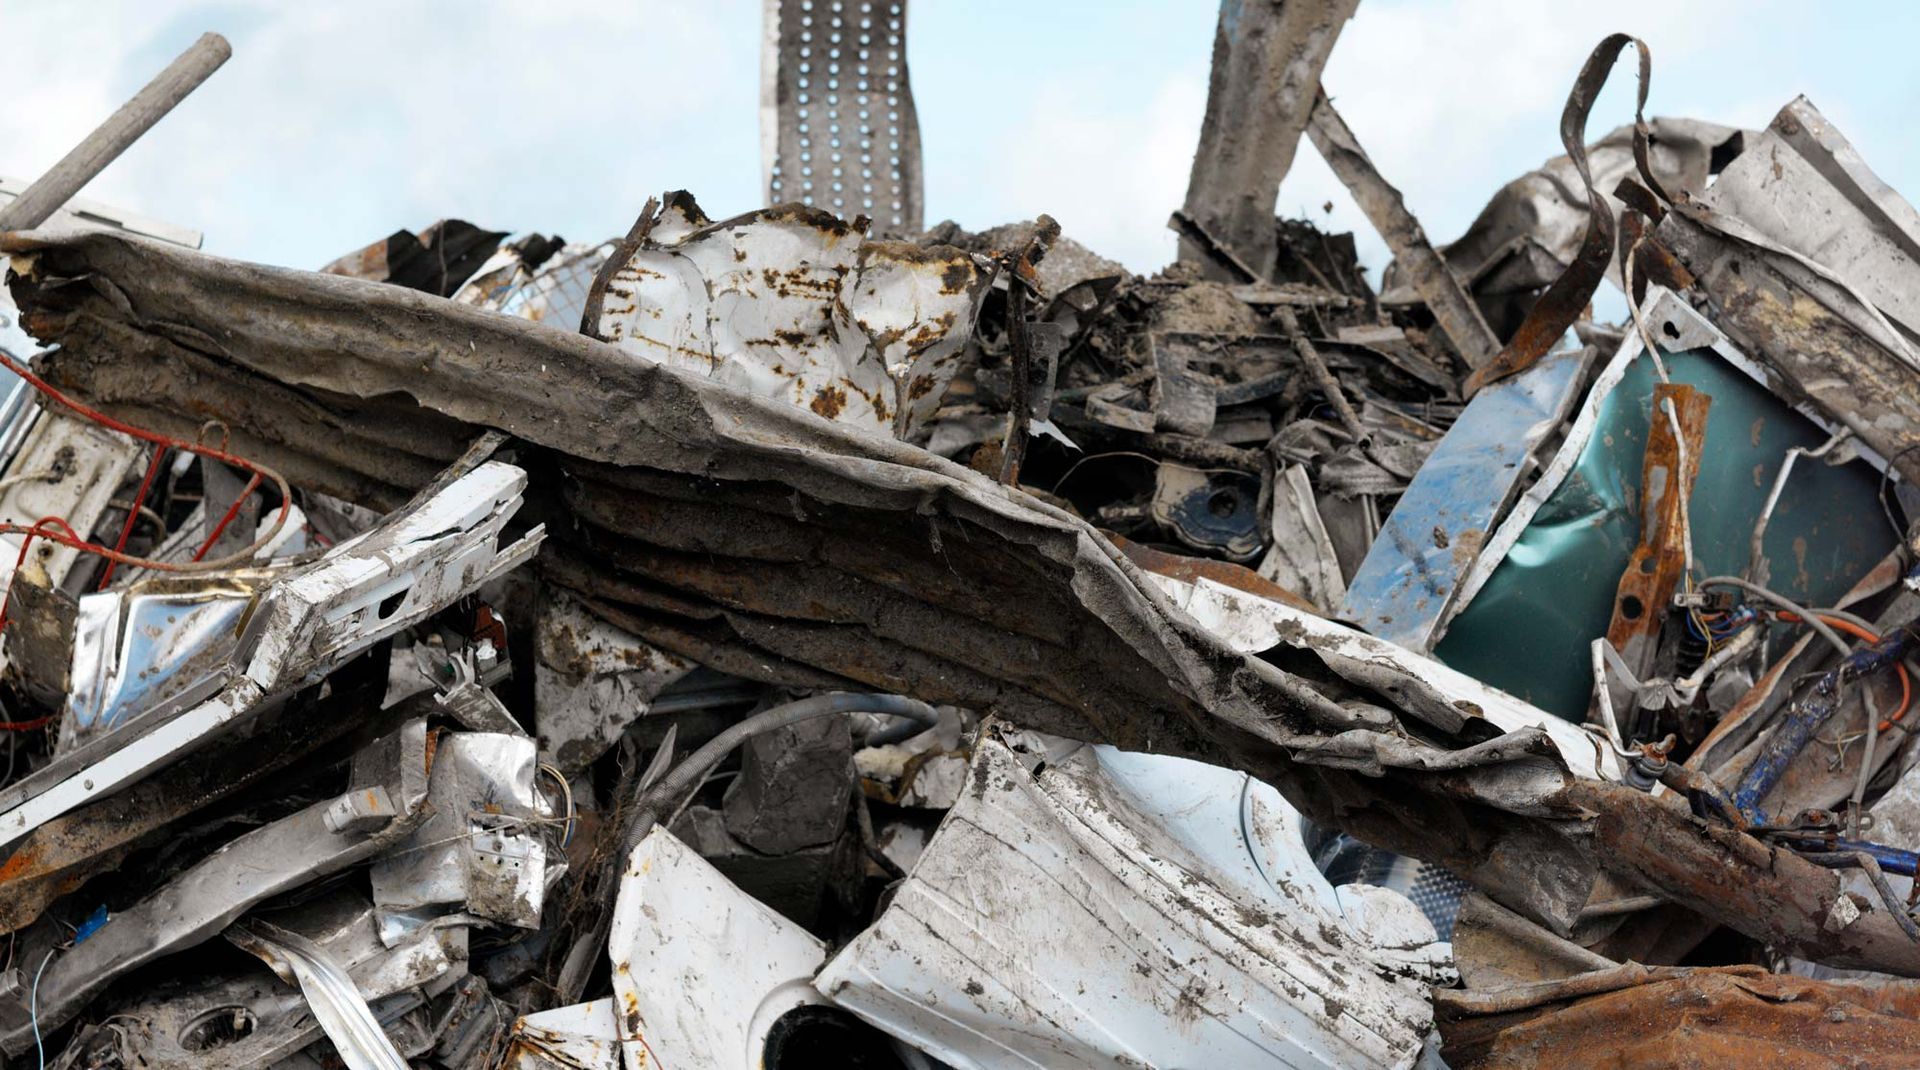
(33, 1008)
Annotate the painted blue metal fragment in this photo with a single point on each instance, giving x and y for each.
(1406, 585)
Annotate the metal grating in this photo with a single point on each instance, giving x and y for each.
(837, 125)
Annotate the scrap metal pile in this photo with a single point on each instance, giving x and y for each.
(800, 641)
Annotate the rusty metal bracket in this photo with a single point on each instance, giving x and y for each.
(1645, 593)
(1568, 296)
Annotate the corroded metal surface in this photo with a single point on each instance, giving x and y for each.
(874, 562)
(1674, 1017)
(1643, 602)
(795, 304)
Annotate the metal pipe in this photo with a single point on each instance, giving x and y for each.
(37, 203)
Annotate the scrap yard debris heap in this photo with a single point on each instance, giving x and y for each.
(812, 639)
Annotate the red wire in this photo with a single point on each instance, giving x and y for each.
(140, 433)
(26, 726)
(163, 442)
(232, 511)
(133, 513)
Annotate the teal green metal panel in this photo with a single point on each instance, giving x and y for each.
(1529, 629)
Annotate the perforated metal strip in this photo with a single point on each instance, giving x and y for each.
(837, 125)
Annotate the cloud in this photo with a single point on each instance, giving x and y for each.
(335, 123)
(1110, 178)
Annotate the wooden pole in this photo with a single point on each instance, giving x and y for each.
(111, 138)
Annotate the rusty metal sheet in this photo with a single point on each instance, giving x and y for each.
(795, 304)
(1672, 1017)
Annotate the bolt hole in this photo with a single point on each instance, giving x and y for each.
(1631, 607)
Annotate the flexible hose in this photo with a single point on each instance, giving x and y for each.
(694, 768)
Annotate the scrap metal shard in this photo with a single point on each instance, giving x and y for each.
(1426, 272)
(308, 621)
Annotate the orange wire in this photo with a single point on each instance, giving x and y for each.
(1866, 636)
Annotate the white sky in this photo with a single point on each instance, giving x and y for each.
(338, 122)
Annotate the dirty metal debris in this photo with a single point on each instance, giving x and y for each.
(803, 639)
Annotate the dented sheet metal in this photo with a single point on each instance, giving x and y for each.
(794, 304)
(591, 681)
(1407, 585)
(138, 648)
(1545, 585)
(758, 540)
(480, 850)
(702, 972)
(64, 467)
(1812, 264)
(1051, 922)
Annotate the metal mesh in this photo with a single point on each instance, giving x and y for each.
(558, 293)
(838, 129)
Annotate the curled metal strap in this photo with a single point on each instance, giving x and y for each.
(1563, 302)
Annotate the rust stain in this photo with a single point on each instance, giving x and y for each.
(19, 863)
(829, 401)
(1190, 569)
